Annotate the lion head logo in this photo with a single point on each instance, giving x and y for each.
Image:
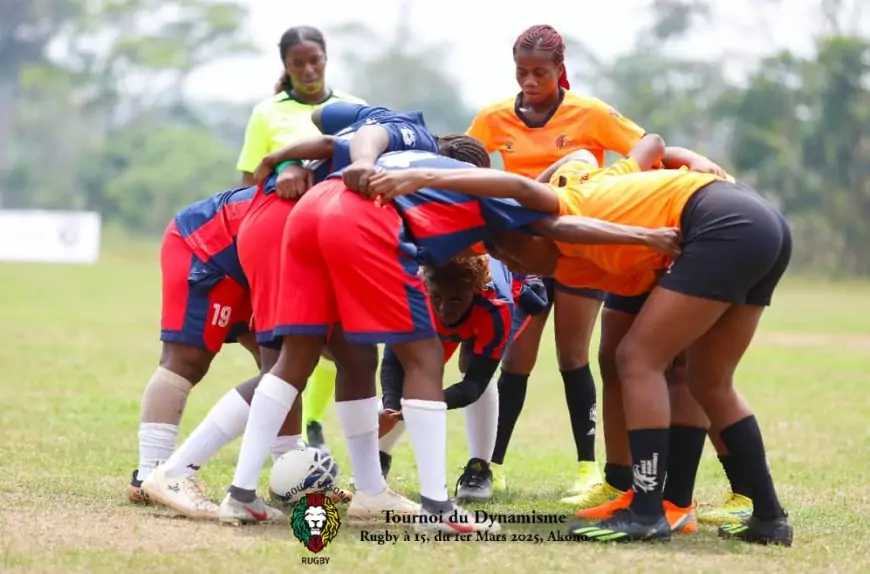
(315, 521)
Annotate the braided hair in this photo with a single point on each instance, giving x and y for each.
(547, 39)
(463, 148)
(290, 38)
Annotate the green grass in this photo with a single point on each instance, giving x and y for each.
(78, 344)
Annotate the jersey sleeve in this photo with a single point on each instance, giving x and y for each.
(501, 214)
(256, 145)
(407, 135)
(613, 131)
(338, 115)
(481, 129)
(492, 328)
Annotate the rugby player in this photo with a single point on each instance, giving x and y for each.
(532, 130)
(480, 305)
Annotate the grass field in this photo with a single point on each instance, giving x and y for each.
(78, 344)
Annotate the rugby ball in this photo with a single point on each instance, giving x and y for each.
(299, 472)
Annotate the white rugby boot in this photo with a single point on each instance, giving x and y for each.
(367, 507)
(185, 494)
(234, 512)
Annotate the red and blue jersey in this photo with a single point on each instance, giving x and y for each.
(487, 325)
(441, 224)
(210, 226)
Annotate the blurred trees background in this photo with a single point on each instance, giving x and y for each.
(93, 115)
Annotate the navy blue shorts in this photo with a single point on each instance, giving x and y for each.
(629, 305)
(552, 286)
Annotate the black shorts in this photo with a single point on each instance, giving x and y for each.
(552, 286)
(623, 304)
(736, 247)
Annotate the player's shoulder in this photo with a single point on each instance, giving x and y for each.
(574, 100)
(346, 97)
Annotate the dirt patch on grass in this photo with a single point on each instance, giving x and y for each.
(124, 530)
(838, 341)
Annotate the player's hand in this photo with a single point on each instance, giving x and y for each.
(703, 165)
(357, 176)
(293, 181)
(667, 240)
(387, 420)
(388, 185)
(265, 169)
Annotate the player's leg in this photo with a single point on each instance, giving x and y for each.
(737, 504)
(689, 428)
(391, 427)
(319, 392)
(713, 360)
(513, 382)
(357, 410)
(174, 484)
(575, 313)
(305, 311)
(384, 272)
(195, 321)
(599, 503)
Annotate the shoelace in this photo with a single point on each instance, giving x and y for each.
(198, 491)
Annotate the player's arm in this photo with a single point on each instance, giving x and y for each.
(332, 118)
(678, 157)
(591, 231)
(392, 380)
(477, 376)
(479, 182)
(579, 155)
(315, 148)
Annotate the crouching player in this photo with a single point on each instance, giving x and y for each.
(480, 304)
(205, 304)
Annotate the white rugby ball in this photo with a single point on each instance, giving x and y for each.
(302, 471)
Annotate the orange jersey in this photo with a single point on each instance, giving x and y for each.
(578, 123)
(621, 194)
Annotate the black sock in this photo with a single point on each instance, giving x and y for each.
(684, 455)
(580, 396)
(511, 396)
(618, 476)
(649, 455)
(735, 479)
(746, 449)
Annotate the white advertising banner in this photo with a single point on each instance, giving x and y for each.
(49, 236)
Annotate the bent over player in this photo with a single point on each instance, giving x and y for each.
(479, 304)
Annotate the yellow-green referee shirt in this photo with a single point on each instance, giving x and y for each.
(278, 122)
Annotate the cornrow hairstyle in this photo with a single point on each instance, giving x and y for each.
(471, 270)
(290, 38)
(547, 39)
(463, 148)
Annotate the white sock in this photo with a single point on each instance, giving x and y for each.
(481, 423)
(359, 421)
(272, 401)
(388, 442)
(156, 443)
(284, 444)
(223, 424)
(427, 425)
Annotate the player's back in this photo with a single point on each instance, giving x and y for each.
(210, 227)
(622, 194)
(444, 223)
